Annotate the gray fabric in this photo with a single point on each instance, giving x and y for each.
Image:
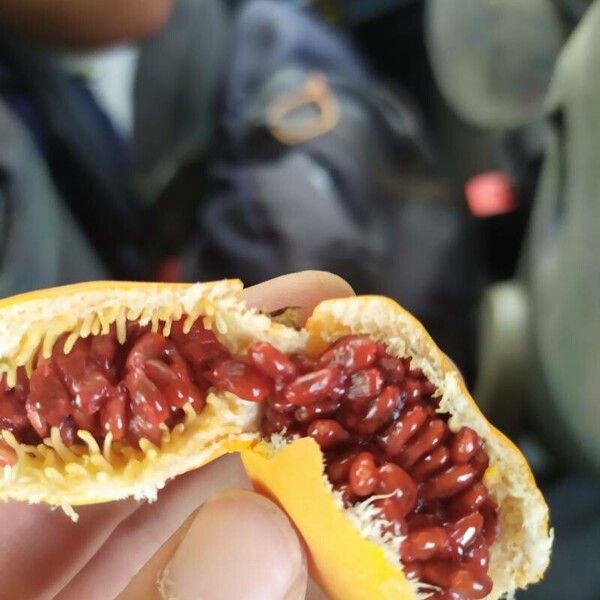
(561, 265)
(175, 91)
(41, 245)
(306, 212)
(493, 59)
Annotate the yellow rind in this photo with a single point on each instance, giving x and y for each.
(522, 553)
(344, 557)
(356, 569)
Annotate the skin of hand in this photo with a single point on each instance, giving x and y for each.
(206, 537)
(84, 23)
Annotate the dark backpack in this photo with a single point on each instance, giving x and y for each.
(323, 167)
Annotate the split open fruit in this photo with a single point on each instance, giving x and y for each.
(356, 424)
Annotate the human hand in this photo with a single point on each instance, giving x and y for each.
(207, 536)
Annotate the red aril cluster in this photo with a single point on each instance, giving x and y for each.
(372, 414)
(375, 419)
(101, 386)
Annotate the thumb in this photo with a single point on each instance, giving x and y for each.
(239, 545)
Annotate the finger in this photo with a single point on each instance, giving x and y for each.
(239, 545)
(41, 547)
(140, 536)
(304, 290)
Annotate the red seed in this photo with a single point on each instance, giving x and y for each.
(393, 368)
(491, 525)
(180, 393)
(480, 462)
(176, 386)
(394, 438)
(377, 452)
(147, 401)
(352, 353)
(12, 412)
(364, 384)
(7, 455)
(339, 466)
(380, 410)
(437, 572)
(278, 421)
(310, 412)
(327, 433)
(349, 419)
(431, 463)
(427, 388)
(416, 521)
(103, 352)
(412, 391)
(425, 544)
(71, 367)
(150, 345)
(465, 530)
(90, 391)
(468, 501)
(68, 431)
(477, 557)
(90, 423)
(362, 475)
(429, 438)
(393, 479)
(271, 361)
(199, 346)
(470, 584)
(86, 381)
(278, 402)
(48, 402)
(135, 331)
(338, 391)
(312, 387)
(160, 373)
(415, 373)
(450, 482)
(21, 388)
(113, 416)
(393, 510)
(464, 445)
(240, 379)
(304, 363)
(140, 428)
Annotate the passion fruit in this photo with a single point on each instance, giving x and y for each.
(110, 389)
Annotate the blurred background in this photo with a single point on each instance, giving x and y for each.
(442, 152)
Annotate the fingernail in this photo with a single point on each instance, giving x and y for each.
(240, 546)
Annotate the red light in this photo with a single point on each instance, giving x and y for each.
(490, 194)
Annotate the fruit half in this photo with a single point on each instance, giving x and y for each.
(356, 424)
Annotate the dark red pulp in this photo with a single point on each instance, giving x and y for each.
(373, 416)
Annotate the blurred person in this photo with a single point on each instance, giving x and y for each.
(88, 134)
(65, 191)
(84, 23)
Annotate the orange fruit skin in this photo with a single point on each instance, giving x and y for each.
(345, 564)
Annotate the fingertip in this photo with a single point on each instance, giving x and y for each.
(239, 545)
(304, 289)
(331, 283)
